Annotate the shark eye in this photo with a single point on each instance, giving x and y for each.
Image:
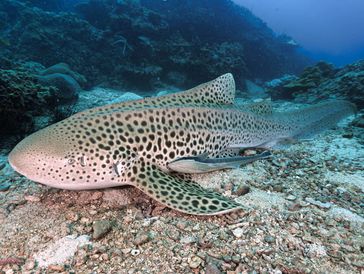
(70, 161)
(82, 161)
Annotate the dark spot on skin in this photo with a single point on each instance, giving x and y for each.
(212, 207)
(195, 203)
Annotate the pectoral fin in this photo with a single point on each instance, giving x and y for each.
(184, 196)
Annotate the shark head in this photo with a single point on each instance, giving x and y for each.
(52, 157)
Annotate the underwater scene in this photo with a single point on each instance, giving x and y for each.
(181, 136)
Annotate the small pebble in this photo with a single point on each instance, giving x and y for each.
(181, 225)
(318, 203)
(228, 186)
(31, 198)
(348, 135)
(227, 258)
(135, 252)
(85, 221)
(236, 259)
(71, 216)
(104, 257)
(29, 265)
(4, 186)
(188, 239)
(212, 268)
(278, 188)
(101, 228)
(241, 190)
(238, 232)
(294, 207)
(291, 197)
(96, 195)
(54, 267)
(142, 238)
(194, 261)
(93, 212)
(126, 250)
(269, 239)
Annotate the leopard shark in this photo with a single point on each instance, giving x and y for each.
(141, 142)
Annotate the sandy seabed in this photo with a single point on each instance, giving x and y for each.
(304, 213)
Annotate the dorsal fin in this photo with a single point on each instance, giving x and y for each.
(220, 91)
(263, 107)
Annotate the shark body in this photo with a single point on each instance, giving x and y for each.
(132, 143)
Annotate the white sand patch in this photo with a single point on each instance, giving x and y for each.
(128, 96)
(328, 145)
(346, 214)
(61, 250)
(344, 179)
(99, 96)
(218, 178)
(334, 146)
(241, 175)
(263, 200)
(315, 250)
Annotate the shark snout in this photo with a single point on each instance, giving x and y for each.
(20, 159)
(30, 156)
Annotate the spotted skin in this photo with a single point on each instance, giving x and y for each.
(132, 143)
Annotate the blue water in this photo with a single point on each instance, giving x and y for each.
(326, 29)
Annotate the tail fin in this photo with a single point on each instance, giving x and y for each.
(312, 120)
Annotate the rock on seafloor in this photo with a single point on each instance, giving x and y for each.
(61, 250)
(67, 86)
(4, 186)
(101, 228)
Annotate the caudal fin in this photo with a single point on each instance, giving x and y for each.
(312, 120)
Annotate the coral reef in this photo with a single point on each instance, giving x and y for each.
(146, 44)
(21, 98)
(67, 86)
(64, 68)
(322, 81)
(65, 80)
(32, 96)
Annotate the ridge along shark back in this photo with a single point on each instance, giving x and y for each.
(144, 142)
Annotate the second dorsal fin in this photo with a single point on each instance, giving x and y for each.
(263, 107)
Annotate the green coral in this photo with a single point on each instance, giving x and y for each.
(21, 98)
